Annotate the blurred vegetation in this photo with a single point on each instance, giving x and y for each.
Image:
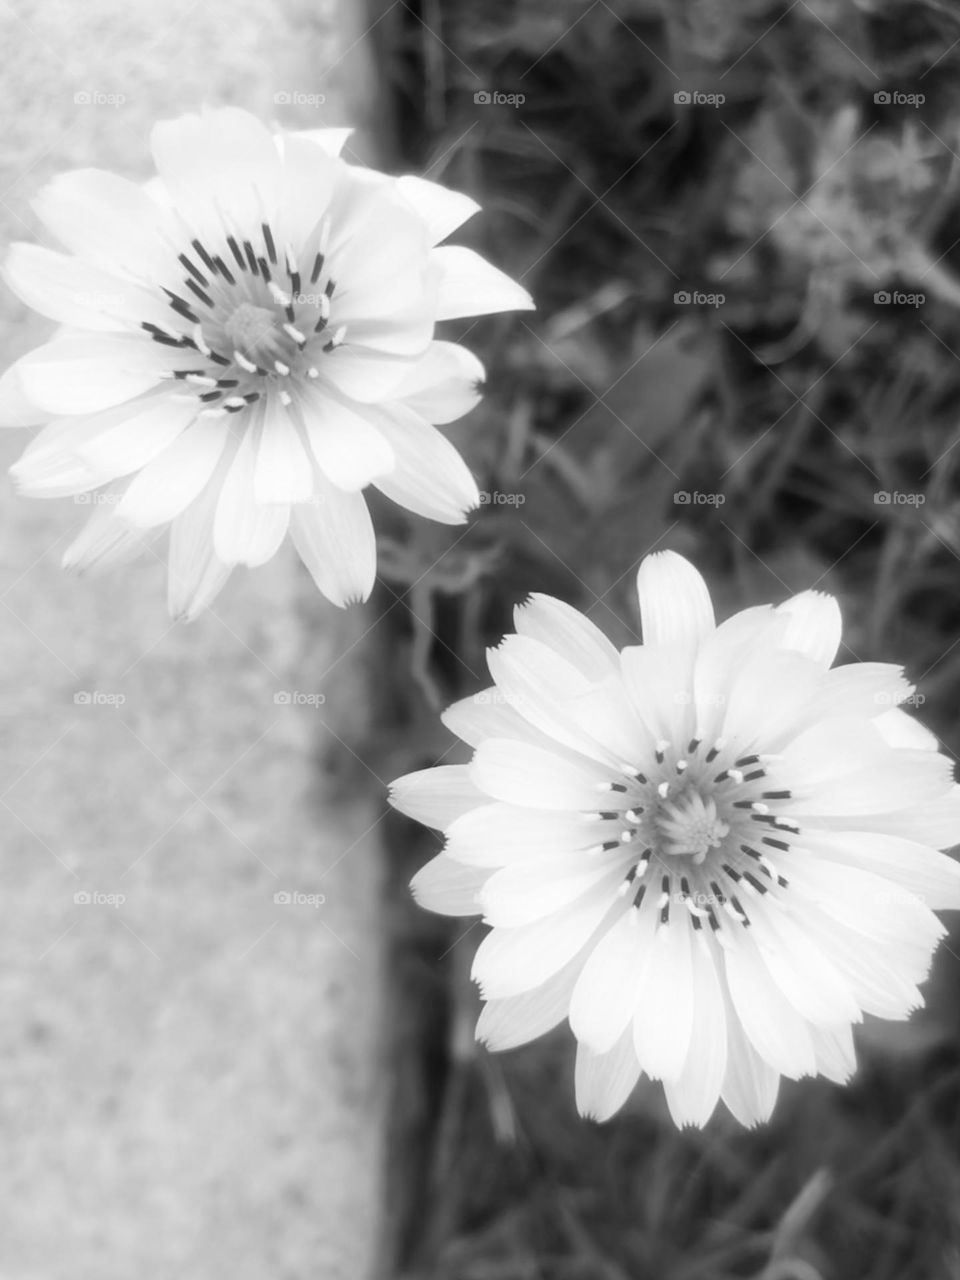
(801, 162)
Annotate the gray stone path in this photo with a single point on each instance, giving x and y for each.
(190, 1071)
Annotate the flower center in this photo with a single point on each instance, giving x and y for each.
(248, 321)
(251, 328)
(689, 824)
(701, 825)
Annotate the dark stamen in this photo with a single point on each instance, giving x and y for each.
(235, 250)
(224, 270)
(317, 268)
(181, 307)
(204, 257)
(251, 257)
(192, 268)
(204, 297)
(268, 241)
(775, 795)
(210, 395)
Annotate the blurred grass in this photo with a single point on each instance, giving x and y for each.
(794, 403)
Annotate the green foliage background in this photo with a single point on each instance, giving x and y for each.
(794, 403)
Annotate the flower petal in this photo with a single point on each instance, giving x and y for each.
(509, 961)
(103, 542)
(497, 835)
(814, 626)
(663, 1012)
(777, 1032)
(223, 158)
(244, 531)
(441, 209)
(471, 286)
(750, 1085)
(516, 1020)
(605, 994)
(76, 292)
(532, 777)
(444, 384)
(569, 633)
(16, 407)
(448, 887)
(77, 374)
(350, 450)
(429, 477)
(178, 475)
(604, 1082)
(334, 537)
(195, 576)
(436, 797)
(283, 472)
(693, 1095)
(675, 605)
(109, 221)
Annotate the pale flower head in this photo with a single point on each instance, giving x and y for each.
(248, 343)
(712, 852)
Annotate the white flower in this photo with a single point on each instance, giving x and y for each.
(247, 344)
(711, 852)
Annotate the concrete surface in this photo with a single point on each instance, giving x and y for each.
(190, 1072)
